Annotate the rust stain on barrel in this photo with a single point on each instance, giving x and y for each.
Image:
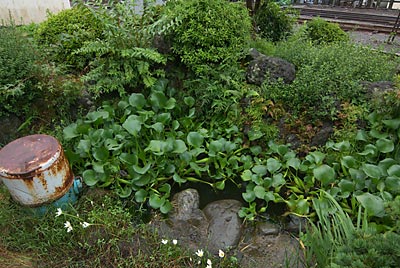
(23, 157)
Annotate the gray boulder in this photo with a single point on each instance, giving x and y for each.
(225, 226)
(263, 67)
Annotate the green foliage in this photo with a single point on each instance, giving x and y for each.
(68, 31)
(17, 66)
(369, 251)
(211, 32)
(28, 87)
(218, 91)
(274, 23)
(387, 103)
(124, 57)
(320, 31)
(327, 76)
(333, 228)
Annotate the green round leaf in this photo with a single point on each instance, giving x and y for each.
(156, 147)
(101, 153)
(179, 147)
(158, 100)
(325, 174)
(346, 185)
(260, 170)
(140, 196)
(141, 170)
(124, 192)
(394, 170)
(385, 145)
(393, 184)
(294, 163)
(215, 147)
(318, 157)
(370, 150)
(132, 125)
(156, 201)
(273, 165)
(189, 101)
(178, 179)
(246, 175)
(392, 123)
(195, 139)
(249, 196)
(89, 177)
(137, 100)
(70, 132)
(255, 134)
(158, 127)
(166, 207)
(372, 171)
(170, 104)
(373, 204)
(278, 180)
(348, 161)
(259, 192)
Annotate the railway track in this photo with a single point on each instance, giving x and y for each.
(350, 19)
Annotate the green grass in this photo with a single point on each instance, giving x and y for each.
(116, 236)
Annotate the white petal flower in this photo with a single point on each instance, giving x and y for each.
(174, 241)
(221, 254)
(164, 241)
(59, 212)
(85, 224)
(68, 225)
(209, 263)
(200, 253)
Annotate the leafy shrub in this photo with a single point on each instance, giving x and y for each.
(328, 76)
(18, 58)
(37, 93)
(211, 32)
(369, 251)
(273, 22)
(124, 57)
(68, 31)
(321, 31)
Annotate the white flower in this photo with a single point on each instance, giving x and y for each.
(174, 241)
(164, 241)
(85, 224)
(200, 253)
(92, 203)
(59, 212)
(209, 263)
(68, 225)
(221, 254)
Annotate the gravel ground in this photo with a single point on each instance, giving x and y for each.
(376, 40)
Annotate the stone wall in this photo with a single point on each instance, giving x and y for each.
(28, 11)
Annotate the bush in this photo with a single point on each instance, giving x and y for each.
(68, 31)
(328, 76)
(320, 31)
(272, 22)
(125, 59)
(30, 87)
(369, 251)
(210, 32)
(17, 65)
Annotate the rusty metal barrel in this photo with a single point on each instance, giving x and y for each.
(35, 170)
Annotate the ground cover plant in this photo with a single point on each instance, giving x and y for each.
(182, 117)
